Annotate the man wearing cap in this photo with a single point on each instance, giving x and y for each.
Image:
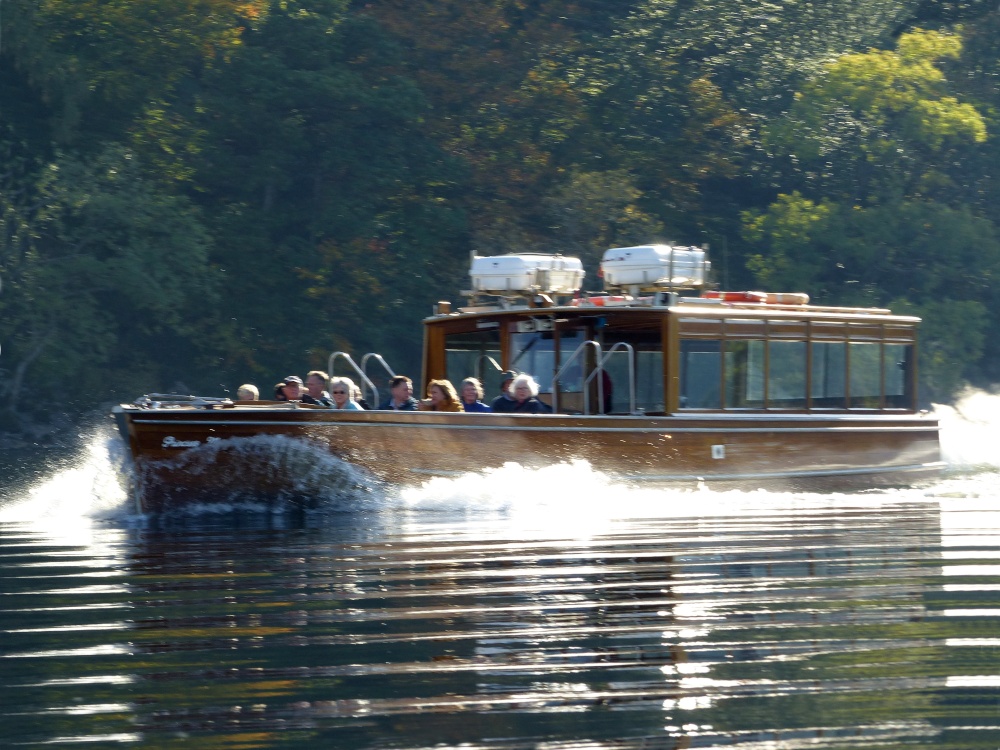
(505, 402)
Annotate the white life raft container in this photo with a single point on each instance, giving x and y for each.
(655, 267)
(526, 273)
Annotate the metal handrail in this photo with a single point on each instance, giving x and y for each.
(385, 365)
(365, 381)
(620, 346)
(601, 359)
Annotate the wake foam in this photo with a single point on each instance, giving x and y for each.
(970, 432)
(576, 497)
(69, 501)
(93, 487)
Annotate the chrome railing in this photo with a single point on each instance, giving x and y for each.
(365, 383)
(600, 360)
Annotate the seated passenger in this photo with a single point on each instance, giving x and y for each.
(504, 402)
(248, 392)
(524, 392)
(472, 396)
(342, 392)
(400, 395)
(316, 393)
(441, 396)
(291, 389)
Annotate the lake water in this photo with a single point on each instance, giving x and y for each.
(547, 609)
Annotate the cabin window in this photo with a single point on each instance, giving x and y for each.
(474, 354)
(786, 382)
(746, 363)
(744, 374)
(648, 380)
(790, 364)
(648, 372)
(539, 353)
(898, 361)
(534, 354)
(829, 368)
(866, 374)
(771, 374)
(701, 374)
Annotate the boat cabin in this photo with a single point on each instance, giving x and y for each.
(656, 342)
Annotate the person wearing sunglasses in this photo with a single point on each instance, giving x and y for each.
(342, 393)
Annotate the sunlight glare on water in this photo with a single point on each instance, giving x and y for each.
(970, 432)
(67, 503)
(510, 609)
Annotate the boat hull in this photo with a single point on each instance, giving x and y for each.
(742, 450)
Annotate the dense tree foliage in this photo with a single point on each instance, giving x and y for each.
(198, 193)
(871, 142)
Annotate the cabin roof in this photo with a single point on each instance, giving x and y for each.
(686, 307)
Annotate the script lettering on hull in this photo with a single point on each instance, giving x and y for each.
(171, 442)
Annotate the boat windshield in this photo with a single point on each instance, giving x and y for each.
(541, 353)
(475, 354)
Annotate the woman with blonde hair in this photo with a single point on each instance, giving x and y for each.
(247, 392)
(441, 396)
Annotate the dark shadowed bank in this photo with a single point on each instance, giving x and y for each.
(230, 195)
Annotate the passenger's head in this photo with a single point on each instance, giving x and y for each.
(441, 393)
(293, 388)
(401, 388)
(316, 382)
(341, 390)
(506, 378)
(279, 392)
(472, 390)
(523, 387)
(247, 392)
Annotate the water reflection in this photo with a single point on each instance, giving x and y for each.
(546, 609)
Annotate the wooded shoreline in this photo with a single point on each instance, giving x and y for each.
(222, 192)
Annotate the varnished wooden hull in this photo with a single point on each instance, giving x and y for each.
(188, 454)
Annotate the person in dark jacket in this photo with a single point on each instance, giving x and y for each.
(504, 402)
(472, 395)
(400, 395)
(317, 383)
(524, 398)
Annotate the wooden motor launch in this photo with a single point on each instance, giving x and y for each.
(656, 379)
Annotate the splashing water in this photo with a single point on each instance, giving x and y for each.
(970, 432)
(268, 473)
(71, 501)
(93, 487)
